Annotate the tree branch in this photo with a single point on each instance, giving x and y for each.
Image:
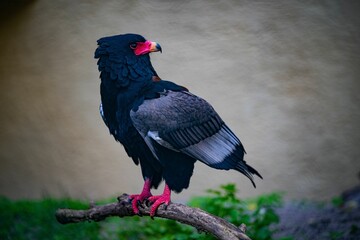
(195, 217)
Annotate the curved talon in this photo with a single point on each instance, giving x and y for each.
(158, 200)
(137, 199)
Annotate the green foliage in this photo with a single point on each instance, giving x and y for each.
(335, 235)
(337, 201)
(258, 213)
(354, 230)
(146, 228)
(35, 219)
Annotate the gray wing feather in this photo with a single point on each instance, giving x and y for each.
(184, 122)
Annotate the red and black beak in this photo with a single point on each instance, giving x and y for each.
(147, 47)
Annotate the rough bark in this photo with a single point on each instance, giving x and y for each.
(195, 217)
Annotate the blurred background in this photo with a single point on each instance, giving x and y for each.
(284, 75)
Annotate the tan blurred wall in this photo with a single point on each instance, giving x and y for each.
(284, 75)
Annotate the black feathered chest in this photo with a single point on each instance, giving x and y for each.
(124, 79)
(117, 103)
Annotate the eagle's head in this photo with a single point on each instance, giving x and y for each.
(124, 58)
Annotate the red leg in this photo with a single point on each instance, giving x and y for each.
(158, 200)
(145, 194)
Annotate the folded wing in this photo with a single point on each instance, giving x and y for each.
(183, 122)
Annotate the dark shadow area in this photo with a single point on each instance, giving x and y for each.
(10, 9)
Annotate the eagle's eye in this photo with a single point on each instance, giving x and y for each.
(133, 45)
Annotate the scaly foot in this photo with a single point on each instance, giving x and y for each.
(161, 199)
(136, 199)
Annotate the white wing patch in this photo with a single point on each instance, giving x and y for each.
(155, 136)
(214, 149)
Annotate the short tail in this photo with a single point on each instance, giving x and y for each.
(248, 171)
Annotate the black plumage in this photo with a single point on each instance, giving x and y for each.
(160, 124)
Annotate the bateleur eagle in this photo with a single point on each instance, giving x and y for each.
(161, 125)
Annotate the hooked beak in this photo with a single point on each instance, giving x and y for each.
(155, 47)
